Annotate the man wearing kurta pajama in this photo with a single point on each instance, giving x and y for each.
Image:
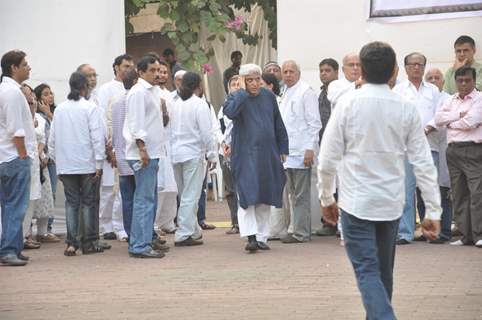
(258, 142)
(299, 110)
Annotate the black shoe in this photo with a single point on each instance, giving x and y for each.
(103, 245)
(421, 238)
(150, 254)
(326, 231)
(159, 247)
(402, 241)
(110, 236)
(22, 257)
(252, 245)
(263, 246)
(92, 248)
(437, 241)
(158, 241)
(290, 239)
(188, 242)
(12, 260)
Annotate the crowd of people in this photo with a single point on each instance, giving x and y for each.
(133, 157)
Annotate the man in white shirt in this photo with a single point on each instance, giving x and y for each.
(167, 189)
(110, 213)
(143, 132)
(77, 145)
(17, 145)
(299, 111)
(370, 151)
(436, 77)
(352, 72)
(89, 71)
(425, 97)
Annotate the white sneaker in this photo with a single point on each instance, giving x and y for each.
(478, 244)
(457, 243)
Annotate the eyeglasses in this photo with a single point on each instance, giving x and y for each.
(420, 65)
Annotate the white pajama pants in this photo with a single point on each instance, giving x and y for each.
(166, 211)
(254, 220)
(110, 212)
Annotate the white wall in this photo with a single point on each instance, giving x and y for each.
(59, 35)
(310, 30)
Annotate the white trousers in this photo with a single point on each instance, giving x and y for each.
(254, 220)
(27, 221)
(110, 212)
(189, 178)
(166, 211)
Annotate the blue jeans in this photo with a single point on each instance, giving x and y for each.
(80, 208)
(407, 221)
(370, 246)
(127, 185)
(14, 199)
(144, 207)
(446, 230)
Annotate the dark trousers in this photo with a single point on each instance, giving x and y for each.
(127, 185)
(446, 218)
(80, 208)
(370, 246)
(464, 160)
(201, 210)
(230, 191)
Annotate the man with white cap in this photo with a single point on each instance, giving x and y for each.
(259, 144)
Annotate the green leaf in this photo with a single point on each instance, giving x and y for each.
(182, 26)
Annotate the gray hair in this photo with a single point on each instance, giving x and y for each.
(250, 68)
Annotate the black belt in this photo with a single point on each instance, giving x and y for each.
(465, 144)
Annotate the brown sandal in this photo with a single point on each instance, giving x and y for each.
(70, 251)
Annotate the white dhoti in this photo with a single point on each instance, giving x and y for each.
(254, 220)
(110, 206)
(167, 202)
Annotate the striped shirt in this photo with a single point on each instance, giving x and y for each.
(118, 142)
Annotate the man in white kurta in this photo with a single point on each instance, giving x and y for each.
(299, 111)
(167, 188)
(110, 206)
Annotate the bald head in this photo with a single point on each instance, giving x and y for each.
(290, 71)
(351, 67)
(90, 73)
(435, 76)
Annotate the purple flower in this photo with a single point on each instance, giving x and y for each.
(235, 24)
(207, 68)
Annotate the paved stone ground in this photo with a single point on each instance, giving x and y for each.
(219, 281)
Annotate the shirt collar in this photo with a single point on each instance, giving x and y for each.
(11, 81)
(145, 84)
(471, 95)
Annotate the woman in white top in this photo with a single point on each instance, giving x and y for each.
(34, 173)
(191, 140)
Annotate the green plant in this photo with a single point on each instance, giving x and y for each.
(185, 19)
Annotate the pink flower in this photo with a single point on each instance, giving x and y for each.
(235, 24)
(207, 68)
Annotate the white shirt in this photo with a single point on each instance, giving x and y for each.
(369, 134)
(143, 121)
(426, 99)
(107, 94)
(77, 142)
(191, 130)
(300, 114)
(15, 121)
(337, 89)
